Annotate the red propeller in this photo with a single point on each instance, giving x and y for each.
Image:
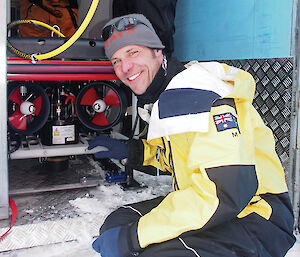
(24, 110)
(16, 97)
(91, 98)
(18, 120)
(111, 98)
(100, 119)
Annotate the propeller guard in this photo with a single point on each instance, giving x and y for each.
(101, 105)
(27, 113)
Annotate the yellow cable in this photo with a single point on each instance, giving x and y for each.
(37, 23)
(75, 36)
(63, 47)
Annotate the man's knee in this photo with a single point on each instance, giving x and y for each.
(120, 217)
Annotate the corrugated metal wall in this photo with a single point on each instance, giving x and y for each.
(257, 36)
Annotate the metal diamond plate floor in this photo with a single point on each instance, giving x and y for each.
(48, 217)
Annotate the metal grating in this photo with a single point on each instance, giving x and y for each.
(273, 97)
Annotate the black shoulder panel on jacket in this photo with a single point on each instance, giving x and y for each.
(184, 101)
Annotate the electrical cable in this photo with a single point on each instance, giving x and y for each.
(66, 45)
(14, 212)
(75, 36)
(34, 22)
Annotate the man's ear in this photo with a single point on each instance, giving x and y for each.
(158, 52)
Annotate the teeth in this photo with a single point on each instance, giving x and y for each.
(134, 76)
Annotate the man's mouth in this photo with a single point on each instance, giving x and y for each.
(134, 76)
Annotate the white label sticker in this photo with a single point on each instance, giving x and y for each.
(63, 134)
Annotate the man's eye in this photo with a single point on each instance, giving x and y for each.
(114, 62)
(132, 53)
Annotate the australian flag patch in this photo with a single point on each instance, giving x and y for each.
(225, 121)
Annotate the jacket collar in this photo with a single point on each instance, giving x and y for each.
(160, 82)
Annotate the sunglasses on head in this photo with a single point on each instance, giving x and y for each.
(120, 25)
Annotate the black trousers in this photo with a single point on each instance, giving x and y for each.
(161, 13)
(251, 236)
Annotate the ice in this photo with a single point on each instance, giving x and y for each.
(96, 205)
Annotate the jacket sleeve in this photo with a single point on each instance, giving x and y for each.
(216, 177)
(143, 157)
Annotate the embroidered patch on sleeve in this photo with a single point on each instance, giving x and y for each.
(225, 121)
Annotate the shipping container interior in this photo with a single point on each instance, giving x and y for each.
(248, 34)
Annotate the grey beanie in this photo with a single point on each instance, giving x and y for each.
(138, 35)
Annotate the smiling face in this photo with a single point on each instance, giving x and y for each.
(136, 66)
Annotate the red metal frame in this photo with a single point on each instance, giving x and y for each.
(19, 69)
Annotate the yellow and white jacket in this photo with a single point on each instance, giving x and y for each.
(219, 151)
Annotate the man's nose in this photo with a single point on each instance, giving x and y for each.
(126, 65)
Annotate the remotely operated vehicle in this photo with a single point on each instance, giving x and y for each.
(62, 92)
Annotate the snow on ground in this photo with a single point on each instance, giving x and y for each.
(97, 205)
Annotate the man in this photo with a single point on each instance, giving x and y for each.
(229, 193)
